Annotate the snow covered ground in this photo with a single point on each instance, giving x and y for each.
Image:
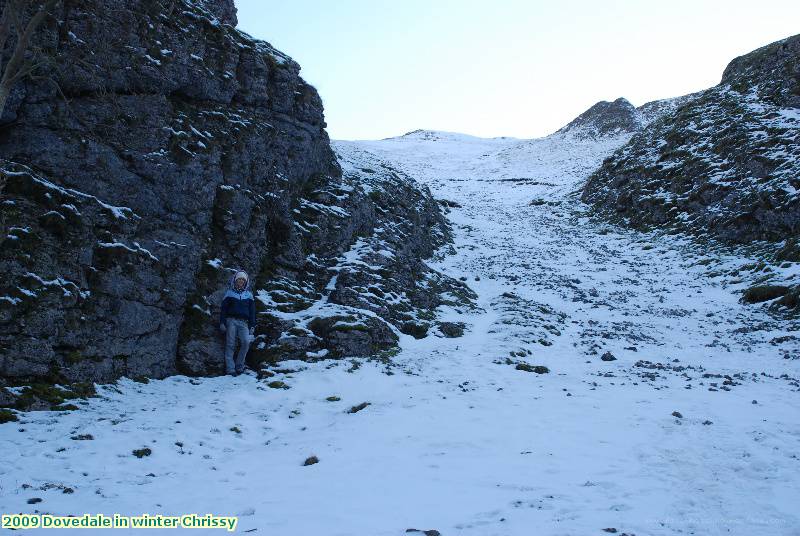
(455, 438)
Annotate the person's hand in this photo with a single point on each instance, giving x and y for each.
(222, 327)
(252, 334)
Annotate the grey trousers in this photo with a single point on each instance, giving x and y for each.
(236, 330)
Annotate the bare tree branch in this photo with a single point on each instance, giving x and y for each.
(15, 7)
(27, 69)
(15, 65)
(5, 29)
(24, 36)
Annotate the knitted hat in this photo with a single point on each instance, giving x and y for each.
(240, 275)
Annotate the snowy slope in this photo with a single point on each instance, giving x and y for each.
(725, 163)
(456, 438)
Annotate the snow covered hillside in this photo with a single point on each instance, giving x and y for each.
(725, 162)
(607, 382)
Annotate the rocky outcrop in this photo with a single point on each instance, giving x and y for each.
(604, 119)
(725, 162)
(165, 150)
(619, 118)
(358, 301)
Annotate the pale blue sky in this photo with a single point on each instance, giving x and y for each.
(505, 67)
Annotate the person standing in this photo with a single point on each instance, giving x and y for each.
(237, 319)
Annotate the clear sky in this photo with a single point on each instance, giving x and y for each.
(520, 68)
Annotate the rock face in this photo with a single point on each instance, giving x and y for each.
(357, 300)
(166, 150)
(605, 119)
(618, 118)
(725, 161)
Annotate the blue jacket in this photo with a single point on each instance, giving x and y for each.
(236, 304)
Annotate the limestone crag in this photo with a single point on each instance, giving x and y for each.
(164, 150)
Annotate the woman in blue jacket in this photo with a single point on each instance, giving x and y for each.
(237, 319)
